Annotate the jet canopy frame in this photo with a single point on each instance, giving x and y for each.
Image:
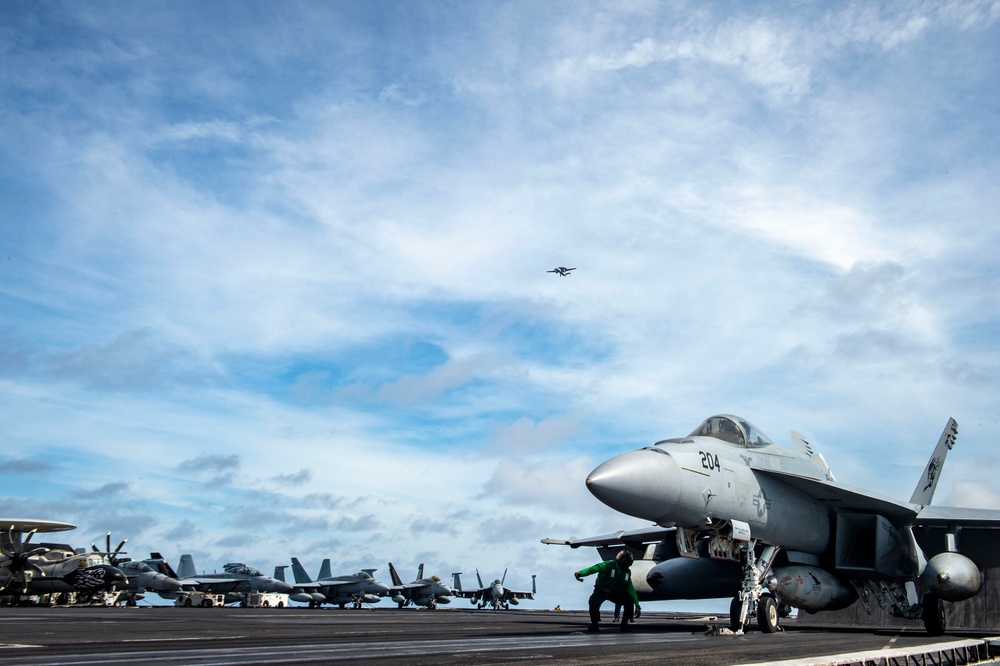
(732, 429)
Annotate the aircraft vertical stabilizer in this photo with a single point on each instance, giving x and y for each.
(395, 576)
(299, 572)
(185, 568)
(924, 492)
(324, 570)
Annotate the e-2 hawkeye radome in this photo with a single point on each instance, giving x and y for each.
(737, 516)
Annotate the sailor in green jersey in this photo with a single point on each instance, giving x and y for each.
(614, 582)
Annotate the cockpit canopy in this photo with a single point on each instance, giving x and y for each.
(732, 429)
(240, 568)
(134, 566)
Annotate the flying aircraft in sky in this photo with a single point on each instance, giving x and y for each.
(358, 588)
(770, 527)
(562, 271)
(494, 594)
(427, 592)
(48, 568)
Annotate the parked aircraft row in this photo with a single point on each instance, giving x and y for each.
(30, 570)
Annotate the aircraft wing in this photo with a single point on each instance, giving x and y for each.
(213, 585)
(519, 594)
(337, 583)
(840, 498)
(932, 516)
(407, 588)
(624, 537)
(977, 532)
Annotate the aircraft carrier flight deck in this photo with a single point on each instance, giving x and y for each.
(298, 635)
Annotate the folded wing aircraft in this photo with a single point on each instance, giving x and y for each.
(494, 595)
(427, 592)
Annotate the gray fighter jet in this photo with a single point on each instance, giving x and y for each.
(494, 595)
(561, 271)
(236, 580)
(769, 526)
(142, 578)
(427, 592)
(355, 589)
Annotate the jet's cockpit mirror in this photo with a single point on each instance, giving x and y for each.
(732, 429)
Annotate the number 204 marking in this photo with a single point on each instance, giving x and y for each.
(710, 461)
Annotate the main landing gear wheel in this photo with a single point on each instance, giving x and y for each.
(767, 614)
(933, 615)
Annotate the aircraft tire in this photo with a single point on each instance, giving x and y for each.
(767, 614)
(734, 615)
(933, 615)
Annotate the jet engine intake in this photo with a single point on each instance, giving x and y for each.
(952, 576)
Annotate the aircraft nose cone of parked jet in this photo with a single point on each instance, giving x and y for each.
(644, 483)
(169, 583)
(282, 586)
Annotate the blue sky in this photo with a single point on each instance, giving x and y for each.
(272, 275)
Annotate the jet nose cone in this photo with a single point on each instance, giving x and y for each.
(281, 586)
(380, 588)
(644, 484)
(170, 583)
